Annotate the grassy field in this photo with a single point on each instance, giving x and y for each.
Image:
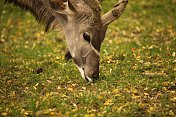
(137, 68)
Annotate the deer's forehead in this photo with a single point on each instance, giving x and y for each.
(85, 17)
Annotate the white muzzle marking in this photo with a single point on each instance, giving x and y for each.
(83, 75)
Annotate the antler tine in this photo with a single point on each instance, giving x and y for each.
(95, 6)
(114, 13)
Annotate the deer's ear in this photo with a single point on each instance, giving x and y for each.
(63, 9)
(57, 5)
(63, 6)
(72, 6)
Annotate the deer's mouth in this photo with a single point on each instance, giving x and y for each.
(86, 78)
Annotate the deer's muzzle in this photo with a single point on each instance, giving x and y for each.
(88, 75)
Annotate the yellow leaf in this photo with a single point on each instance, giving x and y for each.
(92, 111)
(171, 113)
(108, 102)
(115, 91)
(134, 90)
(57, 57)
(173, 99)
(84, 88)
(142, 105)
(52, 113)
(135, 97)
(117, 95)
(99, 97)
(4, 114)
(164, 89)
(146, 94)
(58, 87)
(70, 89)
(89, 115)
(146, 89)
(151, 109)
(165, 83)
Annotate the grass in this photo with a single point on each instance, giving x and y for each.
(137, 68)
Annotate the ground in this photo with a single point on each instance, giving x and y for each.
(137, 67)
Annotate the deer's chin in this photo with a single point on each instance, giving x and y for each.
(88, 79)
(83, 75)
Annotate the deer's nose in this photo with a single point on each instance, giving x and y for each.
(92, 76)
(95, 76)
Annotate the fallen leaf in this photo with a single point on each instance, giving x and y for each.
(108, 102)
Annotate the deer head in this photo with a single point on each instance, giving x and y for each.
(85, 30)
(83, 25)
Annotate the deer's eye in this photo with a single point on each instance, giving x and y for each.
(86, 37)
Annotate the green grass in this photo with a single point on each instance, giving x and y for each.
(137, 68)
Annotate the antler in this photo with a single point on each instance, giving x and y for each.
(114, 13)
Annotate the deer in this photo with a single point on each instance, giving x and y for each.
(83, 25)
